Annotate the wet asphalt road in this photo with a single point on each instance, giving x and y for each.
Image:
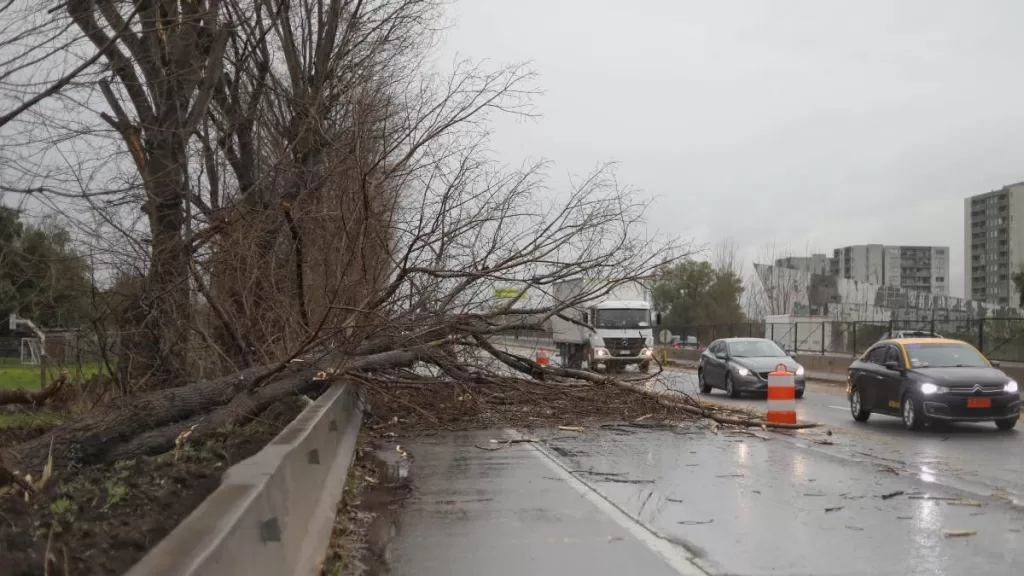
(975, 457)
(812, 502)
(764, 505)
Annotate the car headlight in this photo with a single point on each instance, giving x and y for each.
(600, 352)
(1011, 386)
(929, 388)
(799, 370)
(742, 371)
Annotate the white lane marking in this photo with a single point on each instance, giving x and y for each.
(674, 555)
(839, 407)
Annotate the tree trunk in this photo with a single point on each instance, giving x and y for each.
(94, 436)
(157, 352)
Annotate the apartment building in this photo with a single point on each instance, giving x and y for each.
(993, 244)
(917, 268)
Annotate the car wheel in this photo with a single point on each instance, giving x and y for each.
(705, 388)
(860, 413)
(800, 393)
(913, 417)
(1006, 424)
(730, 389)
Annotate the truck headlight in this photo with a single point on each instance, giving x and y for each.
(1010, 387)
(646, 352)
(601, 352)
(742, 371)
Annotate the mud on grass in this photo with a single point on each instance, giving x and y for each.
(101, 520)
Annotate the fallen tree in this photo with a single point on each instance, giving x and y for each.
(331, 213)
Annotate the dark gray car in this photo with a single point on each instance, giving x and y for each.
(739, 365)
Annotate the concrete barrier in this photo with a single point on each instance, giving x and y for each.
(273, 512)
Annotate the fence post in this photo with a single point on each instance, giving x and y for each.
(981, 335)
(750, 329)
(822, 337)
(773, 331)
(796, 341)
(890, 327)
(854, 324)
(933, 323)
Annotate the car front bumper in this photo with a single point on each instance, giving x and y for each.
(954, 407)
(754, 383)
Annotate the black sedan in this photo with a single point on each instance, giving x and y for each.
(739, 365)
(925, 380)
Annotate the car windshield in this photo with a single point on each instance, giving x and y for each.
(628, 318)
(755, 349)
(944, 356)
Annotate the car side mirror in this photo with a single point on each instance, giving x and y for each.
(722, 356)
(994, 363)
(893, 365)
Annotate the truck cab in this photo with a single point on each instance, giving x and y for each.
(622, 334)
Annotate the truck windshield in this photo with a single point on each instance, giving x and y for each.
(623, 318)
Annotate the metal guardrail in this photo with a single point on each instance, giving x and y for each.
(273, 512)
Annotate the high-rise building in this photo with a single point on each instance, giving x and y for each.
(917, 268)
(993, 244)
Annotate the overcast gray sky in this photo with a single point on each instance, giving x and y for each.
(816, 123)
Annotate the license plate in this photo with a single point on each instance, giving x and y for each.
(979, 402)
(623, 352)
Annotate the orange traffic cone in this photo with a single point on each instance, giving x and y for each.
(542, 357)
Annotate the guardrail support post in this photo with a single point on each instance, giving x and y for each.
(854, 324)
(981, 335)
(822, 338)
(796, 341)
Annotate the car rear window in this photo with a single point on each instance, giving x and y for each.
(944, 356)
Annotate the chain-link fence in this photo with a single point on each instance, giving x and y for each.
(999, 338)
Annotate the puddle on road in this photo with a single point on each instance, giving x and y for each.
(376, 514)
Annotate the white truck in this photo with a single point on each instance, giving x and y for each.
(614, 331)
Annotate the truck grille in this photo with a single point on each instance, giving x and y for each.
(631, 345)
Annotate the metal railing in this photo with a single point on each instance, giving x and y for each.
(998, 338)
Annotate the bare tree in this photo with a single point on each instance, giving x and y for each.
(772, 289)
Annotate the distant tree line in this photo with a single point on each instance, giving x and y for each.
(694, 292)
(43, 276)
